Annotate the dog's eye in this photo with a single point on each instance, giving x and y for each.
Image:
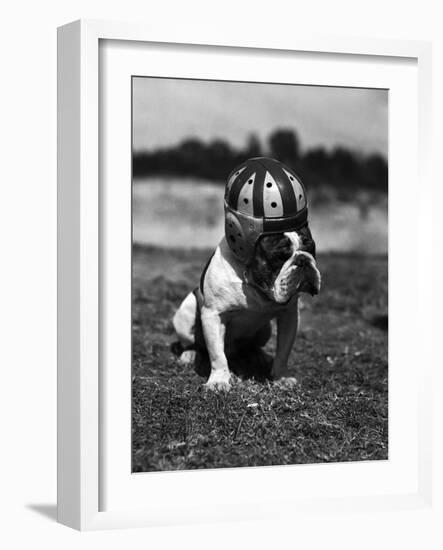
(283, 253)
(283, 250)
(308, 245)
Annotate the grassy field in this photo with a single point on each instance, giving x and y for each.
(337, 412)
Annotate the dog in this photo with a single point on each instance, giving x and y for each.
(231, 311)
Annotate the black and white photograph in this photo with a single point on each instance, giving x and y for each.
(222, 275)
(259, 274)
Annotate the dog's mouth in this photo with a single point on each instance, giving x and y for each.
(300, 274)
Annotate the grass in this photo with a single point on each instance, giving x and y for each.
(337, 412)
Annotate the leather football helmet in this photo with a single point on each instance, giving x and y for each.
(263, 196)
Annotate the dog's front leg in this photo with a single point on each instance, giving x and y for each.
(287, 324)
(214, 332)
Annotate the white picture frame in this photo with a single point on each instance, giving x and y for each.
(81, 412)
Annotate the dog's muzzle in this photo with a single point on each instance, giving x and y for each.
(300, 274)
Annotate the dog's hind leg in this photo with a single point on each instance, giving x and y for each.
(187, 326)
(262, 336)
(249, 359)
(184, 320)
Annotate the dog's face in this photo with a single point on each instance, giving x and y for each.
(284, 265)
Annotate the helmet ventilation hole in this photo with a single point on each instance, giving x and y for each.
(245, 201)
(291, 178)
(232, 238)
(269, 184)
(300, 197)
(250, 181)
(274, 204)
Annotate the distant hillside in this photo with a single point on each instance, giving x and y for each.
(343, 170)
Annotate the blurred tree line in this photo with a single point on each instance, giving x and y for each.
(340, 168)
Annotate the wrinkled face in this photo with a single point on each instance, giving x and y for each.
(284, 265)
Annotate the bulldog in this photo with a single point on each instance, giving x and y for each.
(232, 310)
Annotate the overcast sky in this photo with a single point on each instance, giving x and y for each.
(167, 111)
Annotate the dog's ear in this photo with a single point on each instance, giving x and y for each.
(307, 242)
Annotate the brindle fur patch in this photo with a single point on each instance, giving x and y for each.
(272, 251)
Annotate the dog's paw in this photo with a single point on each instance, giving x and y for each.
(187, 358)
(286, 382)
(219, 382)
